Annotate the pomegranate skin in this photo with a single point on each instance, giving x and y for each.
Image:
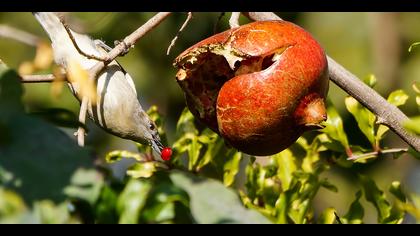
(260, 86)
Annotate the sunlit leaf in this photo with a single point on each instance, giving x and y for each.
(328, 216)
(334, 126)
(117, 155)
(186, 122)
(212, 202)
(365, 119)
(370, 80)
(85, 184)
(286, 166)
(413, 125)
(397, 191)
(142, 169)
(231, 167)
(132, 200)
(398, 98)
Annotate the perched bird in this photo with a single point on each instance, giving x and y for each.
(117, 109)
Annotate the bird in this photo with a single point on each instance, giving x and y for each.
(117, 109)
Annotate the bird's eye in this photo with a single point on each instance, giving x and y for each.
(151, 126)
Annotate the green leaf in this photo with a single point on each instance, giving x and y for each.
(48, 213)
(231, 167)
(413, 125)
(370, 80)
(212, 202)
(377, 197)
(356, 212)
(212, 151)
(285, 162)
(334, 128)
(397, 191)
(10, 203)
(398, 98)
(328, 216)
(142, 169)
(86, 184)
(132, 200)
(364, 118)
(186, 122)
(117, 155)
(413, 46)
(104, 210)
(326, 184)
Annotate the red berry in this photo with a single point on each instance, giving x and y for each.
(166, 154)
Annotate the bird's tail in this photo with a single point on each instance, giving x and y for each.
(52, 25)
(62, 44)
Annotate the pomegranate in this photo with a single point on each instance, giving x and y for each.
(259, 86)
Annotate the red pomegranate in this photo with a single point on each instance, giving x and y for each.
(260, 86)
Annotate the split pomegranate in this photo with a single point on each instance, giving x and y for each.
(260, 86)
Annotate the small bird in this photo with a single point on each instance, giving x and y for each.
(117, 109)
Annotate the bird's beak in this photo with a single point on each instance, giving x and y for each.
(156, 145)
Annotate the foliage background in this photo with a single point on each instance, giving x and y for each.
(364, 43)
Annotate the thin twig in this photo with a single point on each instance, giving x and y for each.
(130, 40)
(19, 35)
(389, 114)
(234, 19)
(189, 17)
(37, 78)
(73, 40)
(377, 153)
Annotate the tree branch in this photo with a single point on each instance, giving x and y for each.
(73, 40)
(189, 17)
(19, 35)
(234, 19)
(37, 78)
(389, 114)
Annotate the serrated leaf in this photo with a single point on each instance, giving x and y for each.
(211, 152)
(286, 166)
(85, 184)
(364, 118)
(194, 152)
(212, 202)
(117, 155)
(398, 98)
(334, 126)
(413, 125)
(356, 212)
(397, 191)
(142, 169)
(132, 200)
(186, 122)
(328, 216)
(231, 167)
(370, 80)
(377, 197)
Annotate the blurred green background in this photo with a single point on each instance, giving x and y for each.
(364, 43)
